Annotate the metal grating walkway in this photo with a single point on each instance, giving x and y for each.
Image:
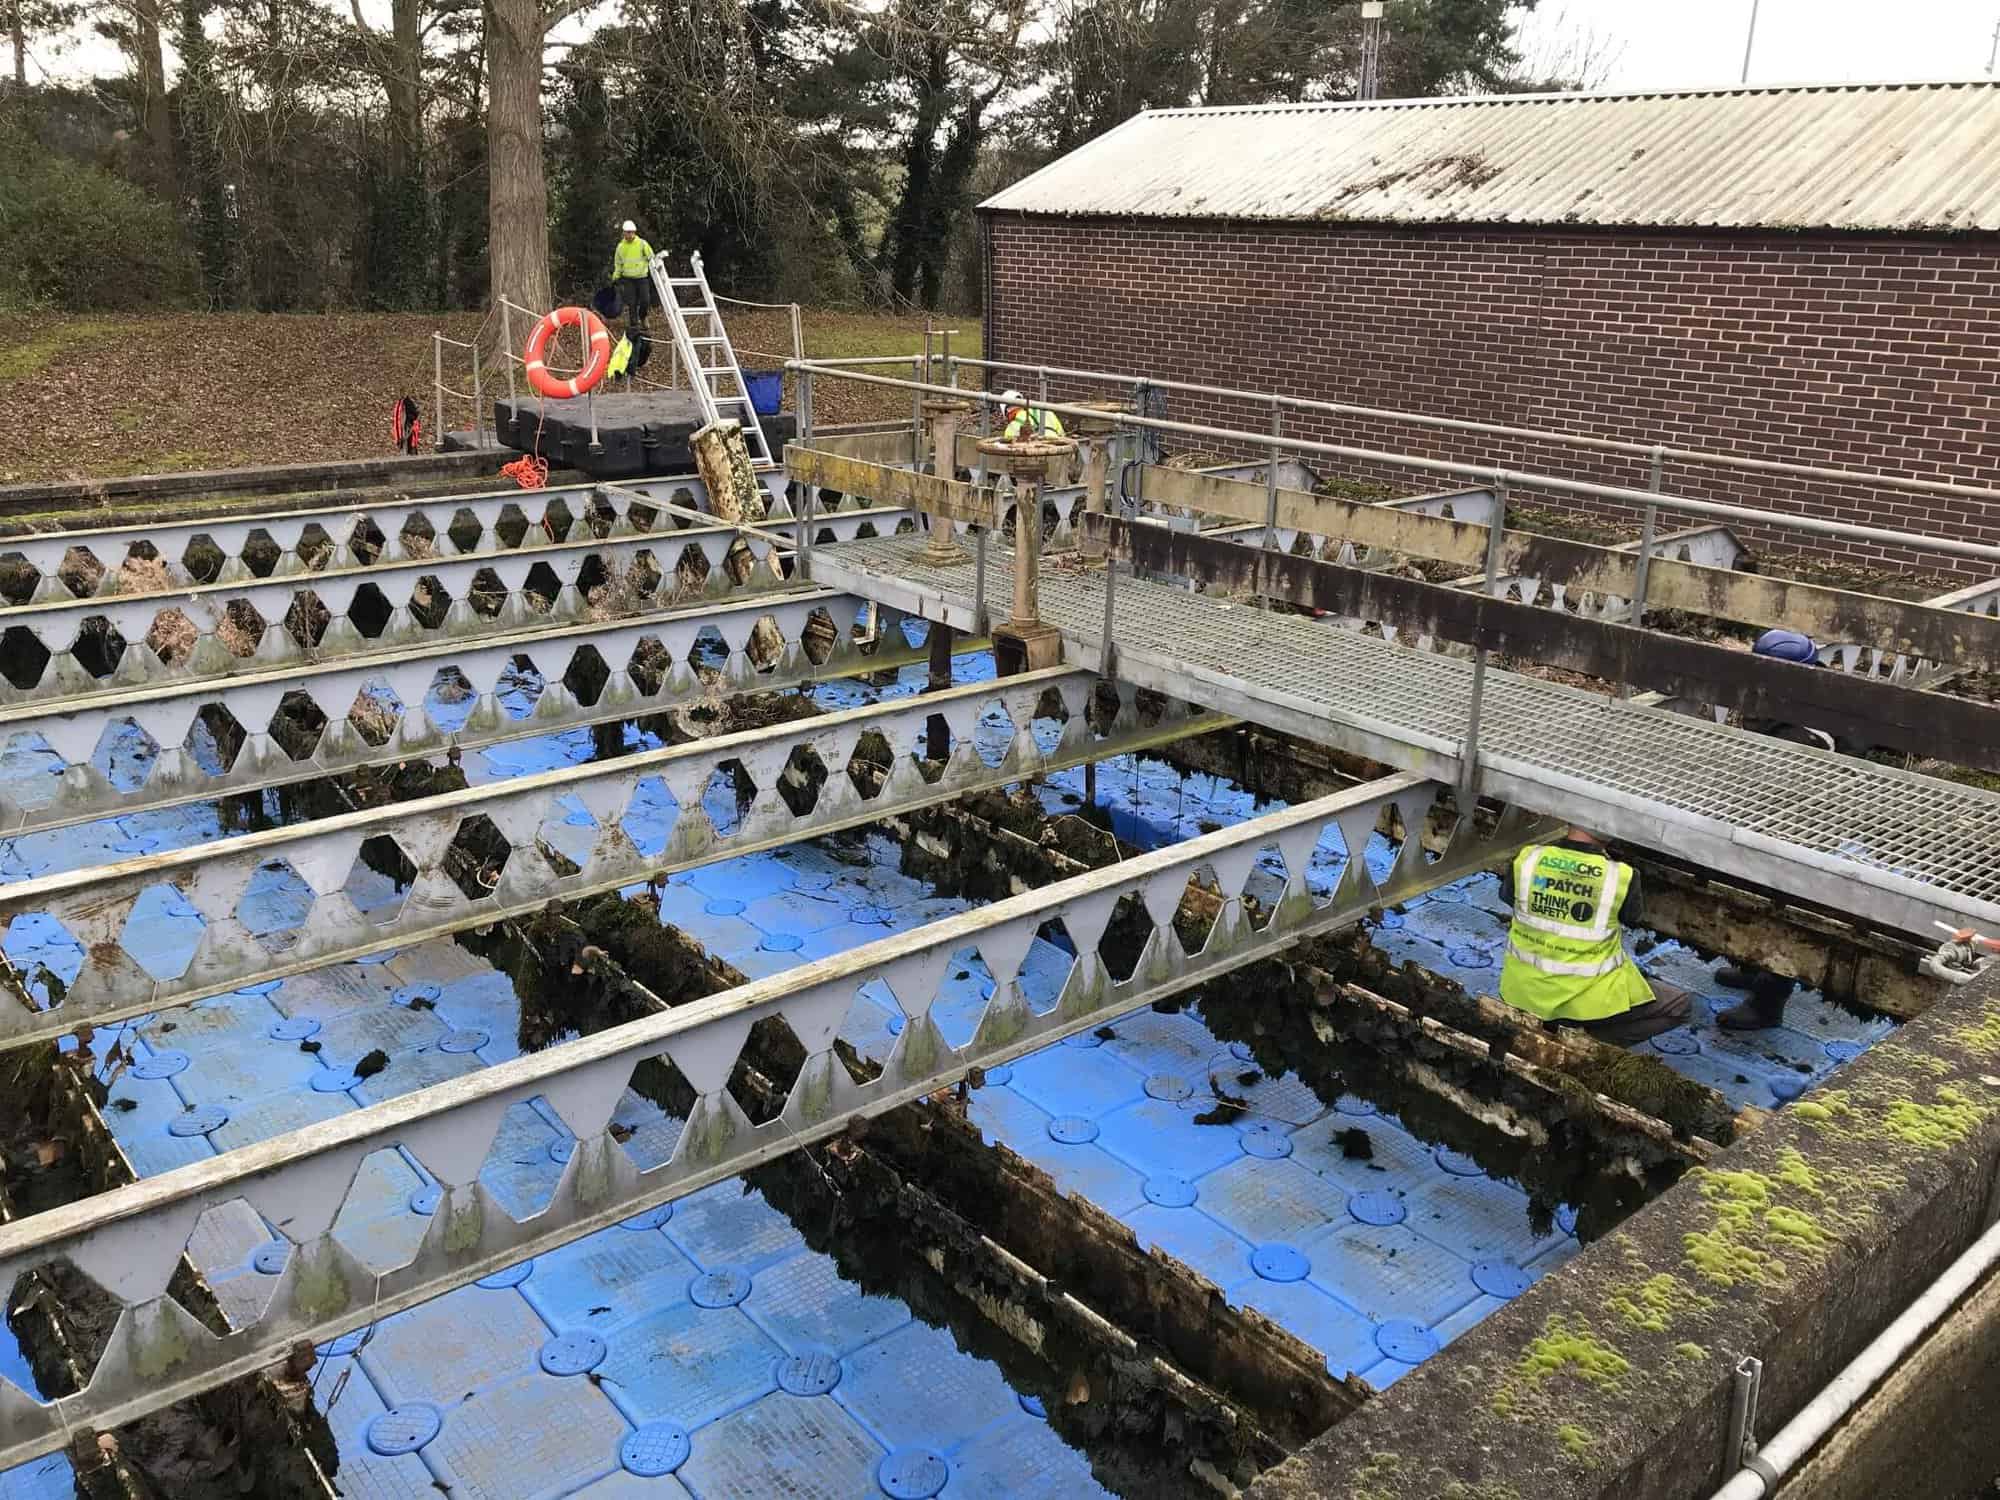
(1866, 839)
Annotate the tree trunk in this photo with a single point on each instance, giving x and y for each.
(517, 196)
(17, 28)
(152, 69)
(404, 86)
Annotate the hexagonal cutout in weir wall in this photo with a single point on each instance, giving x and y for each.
(429, 602)
(274, 905)
(375, 712)
(214, 739)
(297, 724)
(125, 754)
(98, 647)
(172, 637)
(465, 531)
(23, 658)
(242, 629)
(380, 878)
(477, 857)
(45, 955)
(648, 819)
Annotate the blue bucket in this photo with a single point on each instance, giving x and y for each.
(767, 390)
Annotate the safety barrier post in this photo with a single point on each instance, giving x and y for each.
(1647, 530)
(916, 414)
(478, 402)
(808, 501)
(1468, 761)
(1270, 500)
(507, 343)
(437, 382)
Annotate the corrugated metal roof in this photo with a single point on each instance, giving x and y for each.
(1875, 157)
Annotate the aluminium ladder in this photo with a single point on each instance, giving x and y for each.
(710, 360)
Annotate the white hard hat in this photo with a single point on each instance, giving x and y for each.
(628, 227)
(1013, 397)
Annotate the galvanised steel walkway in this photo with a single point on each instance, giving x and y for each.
(1896, 848)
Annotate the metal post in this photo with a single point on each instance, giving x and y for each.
(1027, 552)
(1744, 1383)
(437, 382)
(1647, 531)
(507, 340)
(1468, 761)
(590, 405)
(809, 500)
(981, 624)
(1749, 42)
(1270, 502)
(798, 334)
(1107, 657)
(916, 416)
(478, 401)
(1042, 386)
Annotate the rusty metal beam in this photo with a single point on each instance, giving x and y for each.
(1876, 713)
(1836, 616)
(976, 505)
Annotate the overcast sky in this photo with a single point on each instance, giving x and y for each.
(1645, 44)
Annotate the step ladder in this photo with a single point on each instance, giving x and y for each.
(706, 354)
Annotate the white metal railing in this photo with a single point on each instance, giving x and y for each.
(1648, 451)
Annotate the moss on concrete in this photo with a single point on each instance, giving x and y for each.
(1567, 1350)
(1935, 1126)
(1576, 1439)
(1982, 1039)
(1653, 1303)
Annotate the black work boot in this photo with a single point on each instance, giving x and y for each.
(1735, 977)
(1763, 1009)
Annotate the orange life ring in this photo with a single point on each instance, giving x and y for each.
(538, 341)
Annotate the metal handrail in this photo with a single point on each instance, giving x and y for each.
(1493, 429)
(1485, 473)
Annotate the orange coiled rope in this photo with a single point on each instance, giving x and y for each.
(528, 471)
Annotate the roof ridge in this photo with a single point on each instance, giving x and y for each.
(1901, 157)
(1574, 96)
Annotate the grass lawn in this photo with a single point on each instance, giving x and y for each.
(96, 395)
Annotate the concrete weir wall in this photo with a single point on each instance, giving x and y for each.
(1799, 1245)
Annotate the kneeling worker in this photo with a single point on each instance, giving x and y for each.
(1024, 420)
(1566, 959)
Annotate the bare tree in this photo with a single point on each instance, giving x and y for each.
(517, 194)
(1561, 55)
(135, 26)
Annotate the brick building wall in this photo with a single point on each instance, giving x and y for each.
(1879, 353)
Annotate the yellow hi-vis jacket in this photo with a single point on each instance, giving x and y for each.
(1032, 421)
(633, 257)
(1566, 956)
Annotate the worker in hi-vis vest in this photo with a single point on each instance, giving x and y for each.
(631, 273)
(1566, 960)
(1024, 420)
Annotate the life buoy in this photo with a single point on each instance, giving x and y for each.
(538, 341)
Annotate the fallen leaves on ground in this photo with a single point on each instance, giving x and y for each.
(181, 391)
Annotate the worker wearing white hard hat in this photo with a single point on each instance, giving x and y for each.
(631, 270)
(1023, 420)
